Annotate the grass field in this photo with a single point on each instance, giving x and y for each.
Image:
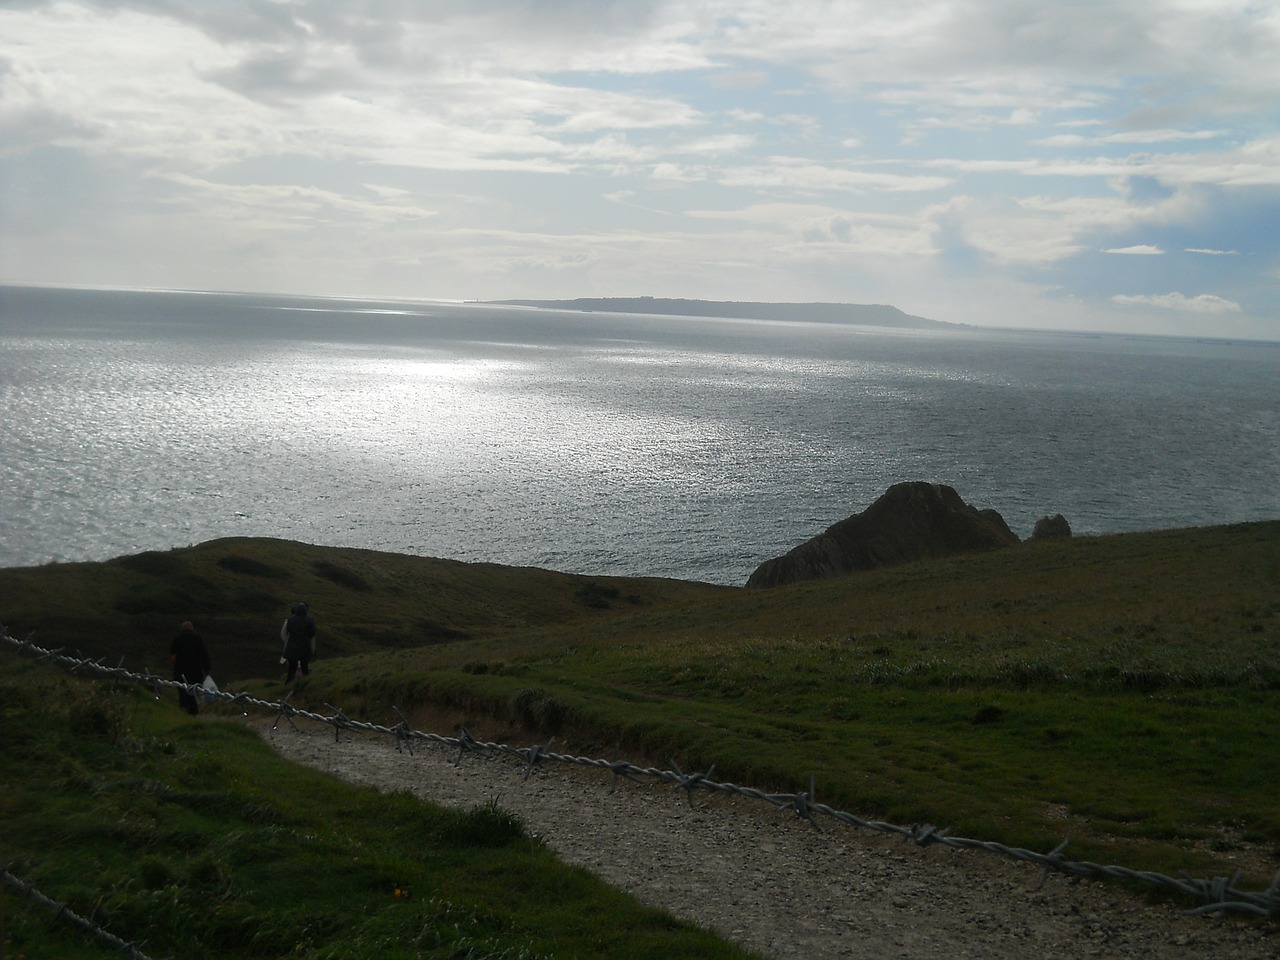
(1121, 692)
(190, 838)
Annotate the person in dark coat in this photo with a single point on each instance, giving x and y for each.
(299, 636)
(190, 659)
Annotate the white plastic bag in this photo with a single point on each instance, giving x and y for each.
(210, 689)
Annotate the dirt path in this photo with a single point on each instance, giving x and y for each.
(775, 885)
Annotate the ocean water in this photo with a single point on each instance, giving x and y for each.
(591, 443)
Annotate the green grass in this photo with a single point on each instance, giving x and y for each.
(191, 838)
(1145, 780)
(1121, 692)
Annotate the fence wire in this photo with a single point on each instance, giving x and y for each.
(62, 912)
(1216, 894)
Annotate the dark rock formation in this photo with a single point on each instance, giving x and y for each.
(1051, 528)
(911, 521)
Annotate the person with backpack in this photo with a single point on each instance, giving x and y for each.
(299, 636)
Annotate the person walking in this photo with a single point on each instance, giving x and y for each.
(299, 636)
(190, 659)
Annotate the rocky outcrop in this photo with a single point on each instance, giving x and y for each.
(911, 521)
(1051, 528)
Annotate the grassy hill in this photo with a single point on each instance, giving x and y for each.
(238, 592)
(1121, 692)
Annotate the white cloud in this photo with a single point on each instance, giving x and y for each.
(1204, 303)
(298, 207)
(803, 175)
(792, 139)
(1129, 136)
(678, 173)
(1007, 233)
(1010, 48)
(153, 86)
(1044, 229)
(1255, 163)
(974, 121)
(820, 231)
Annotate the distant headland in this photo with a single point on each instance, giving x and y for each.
(861, 314)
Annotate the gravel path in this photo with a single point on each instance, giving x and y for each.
(772, 883)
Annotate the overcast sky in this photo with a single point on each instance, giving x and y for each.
(1101, 164)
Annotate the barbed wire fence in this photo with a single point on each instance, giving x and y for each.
(1216, 895)
(64, 913)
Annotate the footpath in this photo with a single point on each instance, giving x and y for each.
(772, 883)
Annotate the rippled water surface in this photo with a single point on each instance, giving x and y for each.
(595, 443)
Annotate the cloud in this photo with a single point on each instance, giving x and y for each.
(1254, 163)
(1006, 233)
(1129, 136)
(679, 173)
(1204, 303)
(1044, 229)
(973, 121)
(804, 175)
(993, 144)
(152, 86)
(297, 207)
(821, 231)
(1004, 52)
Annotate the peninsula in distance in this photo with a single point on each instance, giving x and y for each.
(864, 314)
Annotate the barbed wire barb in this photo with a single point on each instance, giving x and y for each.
(466, 744)
(535, 754)
(286, 711)
(401, 731)
(690, 782)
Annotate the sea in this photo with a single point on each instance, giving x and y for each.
(593, 443)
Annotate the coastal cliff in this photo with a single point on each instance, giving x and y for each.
(858, 314)
(910, 521)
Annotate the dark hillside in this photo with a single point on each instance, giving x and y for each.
(237, 592)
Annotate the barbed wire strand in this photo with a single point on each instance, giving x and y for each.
(1216, 895)
(64, 913)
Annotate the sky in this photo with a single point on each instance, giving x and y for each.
(1107, 165)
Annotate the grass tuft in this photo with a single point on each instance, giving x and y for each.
(537, 711)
